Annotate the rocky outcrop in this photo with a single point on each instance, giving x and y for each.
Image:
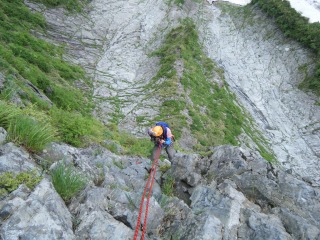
(40, 214)
(3, 135)
(15, 159)
(237, 194)
(232, 193)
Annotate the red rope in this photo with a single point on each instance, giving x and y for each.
(148, 185)
(148, 199)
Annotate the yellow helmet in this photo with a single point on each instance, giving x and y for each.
(156, 131)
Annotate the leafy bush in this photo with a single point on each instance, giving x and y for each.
(67, 181)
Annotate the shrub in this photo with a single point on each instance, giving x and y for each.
(67, 181)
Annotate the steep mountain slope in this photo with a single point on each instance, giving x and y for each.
(260, 65)
(263, 69)
(145, 67)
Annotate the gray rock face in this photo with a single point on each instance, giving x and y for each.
(230, 194)
(262, 68)
(262, 226)
(14, 159)
(245, 196)
(268, 185)
(3, 135)
(40, 215)
(112, 41)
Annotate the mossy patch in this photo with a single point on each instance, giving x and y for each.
(10, 181)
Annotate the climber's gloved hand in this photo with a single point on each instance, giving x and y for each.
(166, 143)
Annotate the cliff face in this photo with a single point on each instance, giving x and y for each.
(262, 67)
(232, 193)
(114, 39)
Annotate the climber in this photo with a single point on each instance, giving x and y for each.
(161, 135)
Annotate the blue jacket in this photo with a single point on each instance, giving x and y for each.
(164, 126)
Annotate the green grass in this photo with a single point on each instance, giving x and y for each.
(118, 164)
(179, 2)
(130, 144)
(67, 181)
(297, 27)
(24, 129)
(176, 2)
(26, 60)
(10, 181)
(215, 117)
(24, 56)
(33, 135)
(259, 140)
(71, 5)
(75, 128)
(168, 186)
(7, 113)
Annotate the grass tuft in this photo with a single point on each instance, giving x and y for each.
(168, 186)
(67, 181)
(24, 129)
(33, 135)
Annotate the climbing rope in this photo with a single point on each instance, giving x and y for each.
(148, 186)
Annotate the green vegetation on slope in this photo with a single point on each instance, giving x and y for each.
(24, 129)
(26, 60)
(207, 110)
(296, 27)
(176, 2)
(23, 55)
(210, 111)
(71, 5)
(130, 145)
(216, 119)
(10, 181)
